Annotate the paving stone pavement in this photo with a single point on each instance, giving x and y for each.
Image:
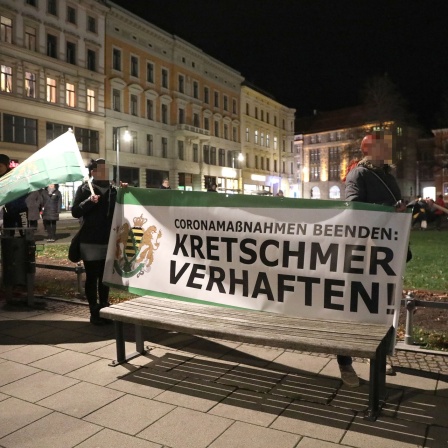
(57, 389)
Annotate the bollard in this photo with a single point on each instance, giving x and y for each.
(410, 308)
(79, 270)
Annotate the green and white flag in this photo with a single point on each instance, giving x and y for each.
(58, 162)
(301, 257)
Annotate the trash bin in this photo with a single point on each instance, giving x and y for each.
(18, 255)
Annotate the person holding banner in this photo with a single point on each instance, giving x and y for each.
(370, 180)
(94, 202)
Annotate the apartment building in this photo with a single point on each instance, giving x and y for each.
(329, 140)
(179, 106)
(268, 158)
(441, 158)
(52, 76)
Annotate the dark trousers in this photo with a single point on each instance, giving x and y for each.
(50, 227)
(344, 360)
(97, 293)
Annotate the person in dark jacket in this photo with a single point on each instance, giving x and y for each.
(370, 180)
(52, 205)
(34, 202)
(165, 184)
(15, 212)
(96, 211)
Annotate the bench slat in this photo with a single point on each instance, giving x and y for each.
(255, 327)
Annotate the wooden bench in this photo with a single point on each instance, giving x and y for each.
(262, 328)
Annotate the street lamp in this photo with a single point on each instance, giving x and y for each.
(240, 158)
(127, 138)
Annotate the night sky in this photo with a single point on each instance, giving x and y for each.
(318, 54)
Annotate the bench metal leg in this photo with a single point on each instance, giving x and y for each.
(120, 344)
(377, 384)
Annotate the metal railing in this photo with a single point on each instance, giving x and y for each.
(78, 270)
(411, 305)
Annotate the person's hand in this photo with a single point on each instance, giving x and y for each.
(95, 198)
(123, 184)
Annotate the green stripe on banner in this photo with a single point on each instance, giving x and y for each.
(145, 292)
(176, 198)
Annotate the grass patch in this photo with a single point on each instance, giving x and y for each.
(431, 340)
(427, 269)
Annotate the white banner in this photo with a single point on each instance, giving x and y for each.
(341, 264)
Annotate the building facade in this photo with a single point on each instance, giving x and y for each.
(52, 76)
(328, 141)
(180, 106)
(268, 158)
(148, 102)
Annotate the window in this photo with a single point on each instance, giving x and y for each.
(247, 134)
(70, 53)
(222, 157)
(134, 66)
(195, 89)
(275, 166)
(268, 164)
(165, 78)
(116, 100)
(150, 72)
(334, 163)
(247, 109)
(52, 7)
(267, 141)
(196, 122)
(19, 130)
(30, 38)
(267, 117)
(6, 30)
(31, 2)
(206, 95)
(54, 130)
(226, 131)
(195, 152)
(71, 15)
(275, 120)
(262, 163)
(6, 79)
(180, 150)
(216, 99)
(216, 129)
(181, 81)
(212, 155)
(206, 150)
(116, 59)
(30, 85)
(181, 116)
(91, 100)
(149, 144)
(262, 114)
(234, 109)
(226, 102)
(164, 147)
(256, 162)
(91, 24)
(164, 114)
(235, 134)
(133, 144)
(51, 90)
(88, 140)
(262, 139)
(52, 46)
(256, 137)
(150, 109)
(314, 173)
(256, 113)
(91, 60)
(134, 105)
(335, 192)
(275, 143)
(70, 94)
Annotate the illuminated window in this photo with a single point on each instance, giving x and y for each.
(51, 90)
(256, 137)
(275, 143)
(247, 134)
(91, 100)
(30, 85)
(6, 79)
(70, 94)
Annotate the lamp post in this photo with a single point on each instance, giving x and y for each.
(127, 138)
(240, 158)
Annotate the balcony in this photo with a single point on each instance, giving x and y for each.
(187, 130)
